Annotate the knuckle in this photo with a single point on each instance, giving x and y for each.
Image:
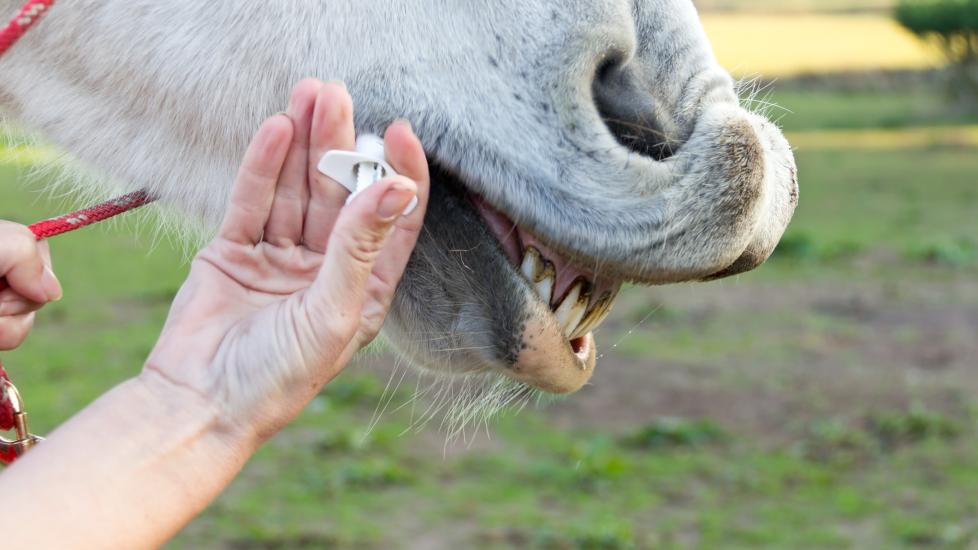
(365, 246)
(21, 244)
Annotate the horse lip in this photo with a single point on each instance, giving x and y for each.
(579, 298)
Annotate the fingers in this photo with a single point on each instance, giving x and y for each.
(332, 129)
(25, 264)
(13, 330)
(292, 193)
(13, 304)
(406, 156)
(359, 237)
(254, 190)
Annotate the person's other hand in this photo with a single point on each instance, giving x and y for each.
(25, 265)
(295, 283)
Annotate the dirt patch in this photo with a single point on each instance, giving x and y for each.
(826, 349)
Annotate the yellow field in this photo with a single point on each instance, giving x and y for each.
(784, 45)
(794, 6)
(915, 139)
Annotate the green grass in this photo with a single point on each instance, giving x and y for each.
(908, 201)
(856, 459)
(801, 110)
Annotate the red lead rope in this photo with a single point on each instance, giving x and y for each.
(28, 15)
(12, 415)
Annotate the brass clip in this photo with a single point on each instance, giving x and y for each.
(25, 440)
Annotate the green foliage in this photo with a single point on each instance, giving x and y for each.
(961, 252)
(588, 538)
(944, 18)
(894, 429)
(840, 441)
(670, 433)
(835, 440)
(953, 24)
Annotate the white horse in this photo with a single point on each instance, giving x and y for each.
(575, 145)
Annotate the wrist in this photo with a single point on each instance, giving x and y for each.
(192, 415)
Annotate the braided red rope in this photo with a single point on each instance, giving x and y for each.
(81, 218)
(51, 228)
(28, 15)
(88, 216)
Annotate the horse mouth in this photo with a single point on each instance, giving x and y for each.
(519, 266)
(579, 298)
(544, 338)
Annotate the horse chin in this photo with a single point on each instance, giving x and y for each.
(468, 305)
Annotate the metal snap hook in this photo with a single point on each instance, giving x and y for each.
(11, 450)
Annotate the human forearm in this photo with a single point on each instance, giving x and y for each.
(129, 471)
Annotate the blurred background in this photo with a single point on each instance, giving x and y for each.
(827, 400)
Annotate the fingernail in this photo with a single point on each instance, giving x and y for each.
(405, 122)
(52, 288)
(337, 82)
(396, 200)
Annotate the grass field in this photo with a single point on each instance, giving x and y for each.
(773, 44)
(827, 400)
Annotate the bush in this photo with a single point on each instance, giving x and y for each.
(953, 25)
(672, 433)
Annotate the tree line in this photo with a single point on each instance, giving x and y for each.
(953, 26)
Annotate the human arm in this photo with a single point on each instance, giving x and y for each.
(273, 309)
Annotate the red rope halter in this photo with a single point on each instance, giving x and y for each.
(12, 416)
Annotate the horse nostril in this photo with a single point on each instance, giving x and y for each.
(606, 69)
(628, 109)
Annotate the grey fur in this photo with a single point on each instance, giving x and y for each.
(504, 94)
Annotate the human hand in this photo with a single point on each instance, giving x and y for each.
(294, 284)
(26, 282)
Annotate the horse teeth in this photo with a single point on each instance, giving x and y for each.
(573, 314)
(532, 264)
(597, 315)
(545, 288)
(540, 273)
(573, 308)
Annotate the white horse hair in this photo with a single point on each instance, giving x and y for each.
(604, 128)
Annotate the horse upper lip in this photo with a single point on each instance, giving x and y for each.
(724, 192)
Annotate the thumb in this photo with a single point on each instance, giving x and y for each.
(358, 238)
